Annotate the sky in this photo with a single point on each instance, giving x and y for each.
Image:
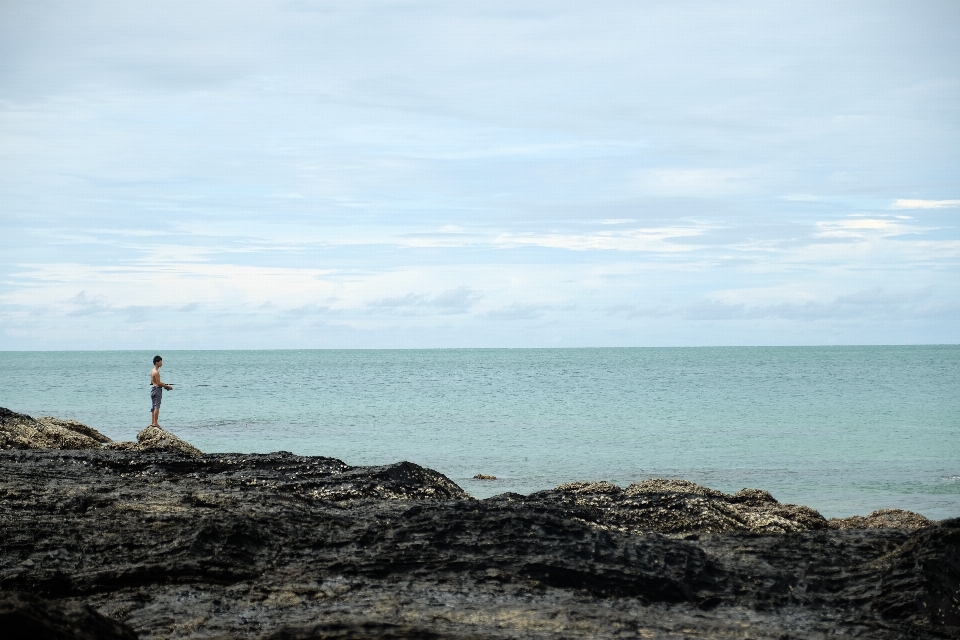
(406, 174)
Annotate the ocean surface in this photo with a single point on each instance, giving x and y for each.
(845, 430)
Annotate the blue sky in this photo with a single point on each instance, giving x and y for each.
(462, 174)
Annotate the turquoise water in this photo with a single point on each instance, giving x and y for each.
(843, 429)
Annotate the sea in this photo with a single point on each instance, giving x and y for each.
(845, 430)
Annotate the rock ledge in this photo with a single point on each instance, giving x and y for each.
(20, 431)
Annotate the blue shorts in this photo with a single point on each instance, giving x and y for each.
(156, 393)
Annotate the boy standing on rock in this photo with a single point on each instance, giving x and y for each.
(156, 390)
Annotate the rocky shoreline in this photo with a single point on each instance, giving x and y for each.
(154, 539)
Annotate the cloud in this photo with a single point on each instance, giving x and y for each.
(409, 300)
(306, 311)
(457, 300)
(857, 227)
(194, 167)
(693, 182)
(168, 283)
(653, 240)
(518, 311)
(84, 305)
(876, 301)
(714, 310)
(925, 204)
(450, 302)
(628, 310)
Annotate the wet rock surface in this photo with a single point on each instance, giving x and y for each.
(282, 546)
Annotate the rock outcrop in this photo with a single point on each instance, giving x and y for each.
(680, 507)
(882, 519)
(156, 439)
(291, 547)
(20, 431)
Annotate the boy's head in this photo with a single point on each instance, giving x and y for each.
(157, 360)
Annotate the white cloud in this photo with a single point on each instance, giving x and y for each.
(450, 302)
(925, 204)
(518, 311)
(654, 239)
(790, 303)
(101, 288)
(692, 182)
(858, 227)
(646, 158)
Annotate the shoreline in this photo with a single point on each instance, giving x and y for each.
(20, 431)
(172, 543)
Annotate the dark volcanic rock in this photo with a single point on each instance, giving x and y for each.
(284, 546)
(680, 506)
(26, 617)
(920, 578)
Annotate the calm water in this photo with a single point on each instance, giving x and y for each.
(843, 429)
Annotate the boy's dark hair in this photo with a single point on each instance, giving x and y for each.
(156, 359)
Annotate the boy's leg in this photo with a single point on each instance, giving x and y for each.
(156, 393)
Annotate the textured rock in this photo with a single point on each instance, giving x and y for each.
(680, 507)
(153, 438)
(26, 617)
(882, 519)
(19, 431)
(919, 579)
(290, 547)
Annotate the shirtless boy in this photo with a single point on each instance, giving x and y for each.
(156, 390)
